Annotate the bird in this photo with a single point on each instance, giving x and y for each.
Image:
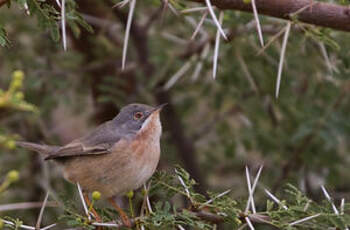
(118, 156)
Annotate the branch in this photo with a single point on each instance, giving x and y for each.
(317, 13)
(2, 2)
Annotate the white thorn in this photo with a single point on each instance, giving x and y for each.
(326, 57)
(40, 217)
(147, 199)
(106, 224)
(127, 31)
(121, 4)
(58, 3)
(249, 223)
(275, 199)
(194, 9)
(83, 201)
(200, 23)
(21, 226)
(211, 11)
(217, 45)
(177, 75)
(49, 226)
(251, 198)
(326, 194)
(214, 198)
(63, 25)
(342, 205)
(307, 205)
(283, 51)
(258, 26)
(183, 184)
(304, 219)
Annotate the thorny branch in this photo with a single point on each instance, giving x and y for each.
(317, 13)
(2, 2)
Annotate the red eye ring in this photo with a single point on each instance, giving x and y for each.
(138, 115)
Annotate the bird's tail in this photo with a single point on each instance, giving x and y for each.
(43, 149)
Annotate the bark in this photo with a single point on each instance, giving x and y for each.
(312, 12)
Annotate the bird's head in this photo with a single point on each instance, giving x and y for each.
(135, 118)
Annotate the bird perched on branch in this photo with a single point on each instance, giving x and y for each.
(118, 156)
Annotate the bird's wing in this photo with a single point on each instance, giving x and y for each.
(79, 149)
(98, 142)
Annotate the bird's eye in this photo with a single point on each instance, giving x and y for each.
(138, 115)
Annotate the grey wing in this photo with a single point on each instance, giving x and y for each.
(97, 142)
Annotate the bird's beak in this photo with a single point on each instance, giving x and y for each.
(159, 107)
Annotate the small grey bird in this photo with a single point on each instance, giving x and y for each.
(118, 156)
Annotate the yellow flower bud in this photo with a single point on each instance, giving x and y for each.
(10, 144)
(19, 95)
(238, 221)
(18, 75)
(130, 194)
(1, 224)
(13, 176)
(96, 195)
(15, 84)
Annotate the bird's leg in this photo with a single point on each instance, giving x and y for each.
(122, 214)
(87, 201)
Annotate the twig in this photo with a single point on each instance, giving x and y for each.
(323, 14)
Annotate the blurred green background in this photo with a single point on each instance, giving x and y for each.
(213, 128)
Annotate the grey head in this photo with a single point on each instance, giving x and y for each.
(132, 117)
